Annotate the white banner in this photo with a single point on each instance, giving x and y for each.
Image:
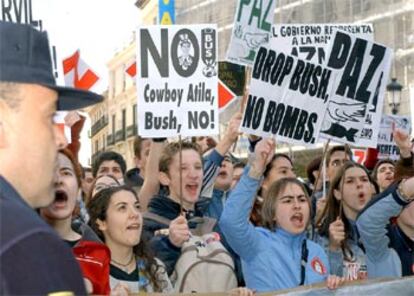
(355, 110)
(386, 144)
(309, 41)
(60, 120)
(252, 25)
(287, 98)
(177, 70)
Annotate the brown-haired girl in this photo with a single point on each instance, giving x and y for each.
(115, 217)
(277, 255)
(350, 191)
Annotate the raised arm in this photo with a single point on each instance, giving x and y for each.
(405, 165)
(213, 160)
(372, 223)
(234, 222)
(151, 184)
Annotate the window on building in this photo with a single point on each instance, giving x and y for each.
(134, 114)
(113, 125)
(111, 84)
(123, 121)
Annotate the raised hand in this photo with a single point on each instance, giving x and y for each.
(231, 134)
(263, 154)
(402, 139)
(179, 231)
(336, 234)
(232, 131)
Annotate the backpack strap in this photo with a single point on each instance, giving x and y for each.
(303, 262)
(156, 218)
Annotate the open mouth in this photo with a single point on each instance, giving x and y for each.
(135, 226)
(297, 219)
(222, 174)
(60, 198)
(361, 197)
(191, 188)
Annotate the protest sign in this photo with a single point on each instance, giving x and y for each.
(231, 88)
(359, 155)
(386, 144)
(59, 120)
(355, 109)
(287, 97)
(233, 76)
(252, 25)
(177, 80)
(20, 11)
(33, 13)
(309, 41)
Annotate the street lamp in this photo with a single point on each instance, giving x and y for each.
(394, 95)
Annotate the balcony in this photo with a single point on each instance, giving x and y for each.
(119, 136)
(95, 155)
(99, 125)
(132, 131)
(110, 140)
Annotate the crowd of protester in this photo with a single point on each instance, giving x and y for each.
(117, 231)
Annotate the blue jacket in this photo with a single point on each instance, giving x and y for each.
(354, 269)
(372, 224)
(214, 210)
(271, 260)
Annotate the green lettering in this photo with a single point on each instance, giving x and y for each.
(242, 3)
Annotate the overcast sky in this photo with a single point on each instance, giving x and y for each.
(97, 27)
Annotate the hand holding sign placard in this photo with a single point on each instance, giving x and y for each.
(177, 81)
(387, 145)
(355, 111)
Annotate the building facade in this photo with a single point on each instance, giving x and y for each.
(114, 121)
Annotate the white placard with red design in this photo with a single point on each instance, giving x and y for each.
(386, 145)
(59, 120)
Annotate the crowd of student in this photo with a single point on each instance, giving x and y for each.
(135, 231)
(268, 220)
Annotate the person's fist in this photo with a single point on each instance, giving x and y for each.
(263, 154)
(336, 234)
(179, 231)
(334, 282)
(232, 131)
